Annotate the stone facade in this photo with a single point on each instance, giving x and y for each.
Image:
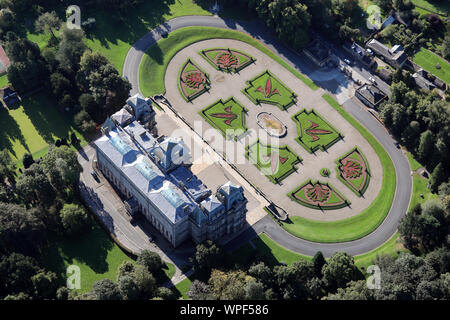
(154, 178)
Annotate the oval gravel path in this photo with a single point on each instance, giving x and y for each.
(258, 31)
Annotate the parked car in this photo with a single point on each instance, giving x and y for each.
(347, 61)
(164, 34)
(95, 176)
(397, 145)
(370, 52)
(372, 79)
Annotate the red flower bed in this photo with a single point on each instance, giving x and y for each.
(193, 81)
(354, 171)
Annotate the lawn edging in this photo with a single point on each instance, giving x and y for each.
(244, 111)
(204, 55)
(275, 180)
(323, 147)
(206, 84)
(365, 222)
(291, 195)
(360, 192)
(151, 73)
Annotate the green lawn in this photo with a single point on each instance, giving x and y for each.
(32, 126)
(363, 223)
(314, 132)
(273, 253)
(3, 81)
(275, 163)
(430, 6)
(227, 59)
(428, 61)
(113, 36)
(391, 247)
(420, 184)
(183, 287)
(169, 270)
(226, 116)
(95, 253)
(154, 64)
(267, 88)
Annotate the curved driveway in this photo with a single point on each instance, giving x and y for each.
(267, 225)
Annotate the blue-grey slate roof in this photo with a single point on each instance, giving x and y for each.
(144, 174)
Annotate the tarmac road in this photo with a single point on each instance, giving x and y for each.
(267, 225)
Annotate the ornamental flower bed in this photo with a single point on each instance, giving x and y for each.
(325, 172)
(227, 59)
(226, 116)
(266, 88)
(314, 132)
(318, 195)
(276, 163)
(192, 81)
(353, 170)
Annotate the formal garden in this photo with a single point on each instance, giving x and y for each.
(226, 116)
(314, 132)
(192, 81)
(226, 59)
(276, 163)
(267, 88)
(353, 170)
(317, 134)
(318, 195)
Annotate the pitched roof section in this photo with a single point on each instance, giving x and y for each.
(371, 93)
(395, 54)
(122, 117)
(176, 195)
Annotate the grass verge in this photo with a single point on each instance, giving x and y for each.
(363, 223)
(153, 65)
(274, 253)
(391, 247)
(420, 193)
(428, 60)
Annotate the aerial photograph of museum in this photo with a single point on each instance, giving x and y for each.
(155, 177)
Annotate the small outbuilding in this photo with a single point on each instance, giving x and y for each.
(370, 95)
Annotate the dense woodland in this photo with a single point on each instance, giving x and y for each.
(342, 20)
(42, 199)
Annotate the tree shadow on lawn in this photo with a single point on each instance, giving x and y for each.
(155, 53)
(127, 27)
(90, 249)
(247, 255)
(46, 118)
(9, 129)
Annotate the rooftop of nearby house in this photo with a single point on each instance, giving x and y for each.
(371, 93)
(396, 53)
